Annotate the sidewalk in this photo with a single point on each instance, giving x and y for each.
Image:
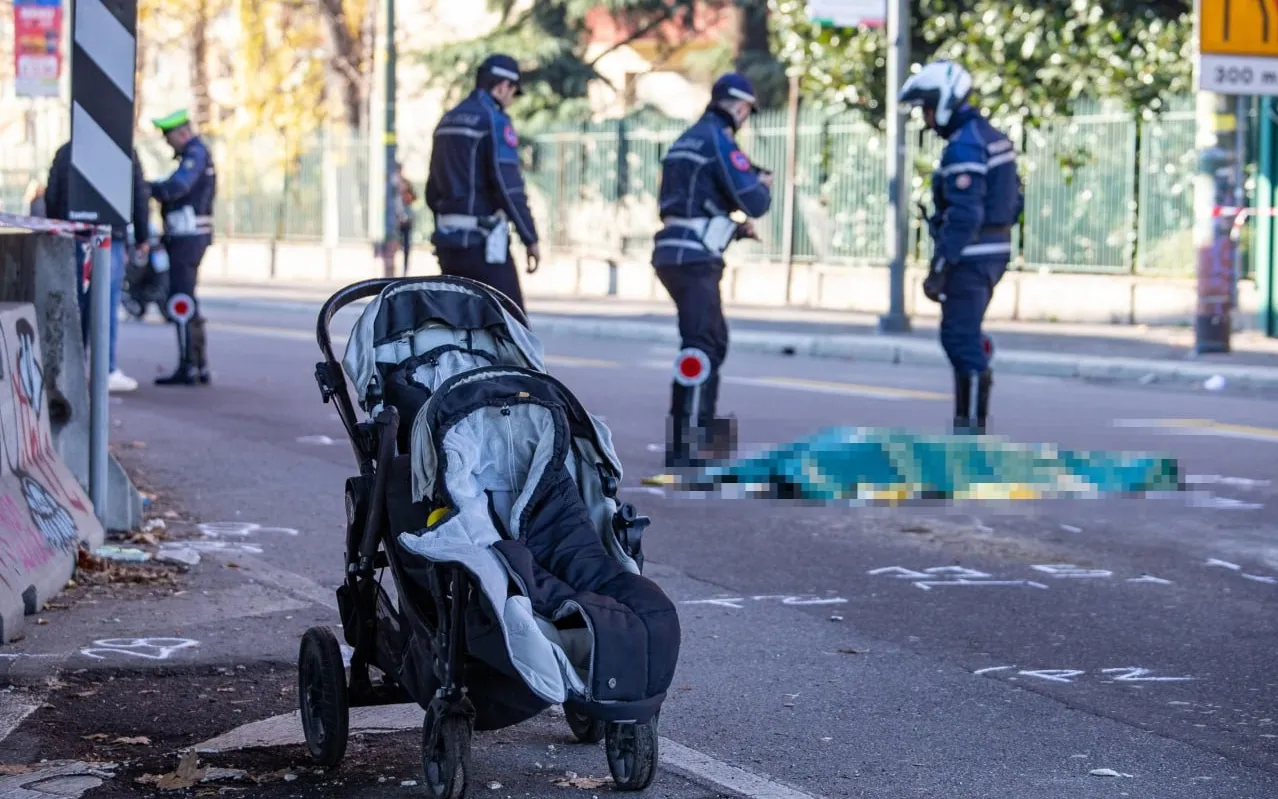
(1100, 352)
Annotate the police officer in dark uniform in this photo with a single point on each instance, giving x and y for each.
(476, 189)
(186, 204)
(704, 178)
(978, 198)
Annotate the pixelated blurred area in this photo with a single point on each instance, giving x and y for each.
(888, 467)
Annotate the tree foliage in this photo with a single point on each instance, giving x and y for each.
(549, 37)
(1027, 58)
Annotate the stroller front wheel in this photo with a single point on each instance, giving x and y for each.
(632, 754)
(322, 696)
(445, 753)
(587, 730)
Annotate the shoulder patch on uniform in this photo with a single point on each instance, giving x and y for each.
(188, 163)
(963, 181)
(739, 160)
(510, 136)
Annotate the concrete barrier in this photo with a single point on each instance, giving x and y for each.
(1030, 296)
(44, 513)
(41, 269)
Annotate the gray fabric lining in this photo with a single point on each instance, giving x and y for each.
(507, 455)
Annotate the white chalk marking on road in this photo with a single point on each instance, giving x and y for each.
(239, 529)
(703, 767)
(1069, 571)
(1149, 578)
(1260, 579)
(1054, 675)
(1224, 564)
(319, 441)
(1134, 674)
(205, 547)
(929, 585)
(1069, 528)
(1213, 502)
(1216, 479)
(991, 669)
(146, 648)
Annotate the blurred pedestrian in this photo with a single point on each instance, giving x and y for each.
(57, 206)
(407, 216)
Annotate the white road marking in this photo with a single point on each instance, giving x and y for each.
(14, 709)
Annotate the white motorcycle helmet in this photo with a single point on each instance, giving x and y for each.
(941, 85)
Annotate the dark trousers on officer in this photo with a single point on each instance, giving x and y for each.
(471, 263)
(695, 291)
(969, 287)
(185, 254)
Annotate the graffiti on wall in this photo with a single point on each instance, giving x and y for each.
(41, 500)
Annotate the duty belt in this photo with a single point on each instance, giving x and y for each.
(703, 227)
(465, 222)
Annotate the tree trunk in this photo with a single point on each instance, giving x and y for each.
(350, 60)
(200, 66)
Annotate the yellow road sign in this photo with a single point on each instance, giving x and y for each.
(1238, 46)
(1238, 27)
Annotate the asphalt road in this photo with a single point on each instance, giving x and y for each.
(975, 651)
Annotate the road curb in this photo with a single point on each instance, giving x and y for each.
(872, 349)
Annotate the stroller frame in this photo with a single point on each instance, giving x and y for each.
(324, 694)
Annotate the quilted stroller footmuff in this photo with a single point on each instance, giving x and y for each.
(495, 447)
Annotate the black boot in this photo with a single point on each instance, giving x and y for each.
(719, 434)
(985, 382)
(185, 374)
(962, 403)
(199, 354)
(680, 435)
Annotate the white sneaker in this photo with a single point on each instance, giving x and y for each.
(118, 382)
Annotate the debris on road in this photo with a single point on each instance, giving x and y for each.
(123, 554)
(1106, 772)
(571, 780)
(96, 570)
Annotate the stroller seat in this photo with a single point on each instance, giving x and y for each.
(494, 447)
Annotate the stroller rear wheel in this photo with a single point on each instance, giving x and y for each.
(587, 730)
(322, 696)
(445, 752)
(632, 754)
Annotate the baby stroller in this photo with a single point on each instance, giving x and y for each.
(490, 494)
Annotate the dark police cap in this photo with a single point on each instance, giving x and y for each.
(502, 67)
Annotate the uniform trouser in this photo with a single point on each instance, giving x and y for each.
(185, 254)
(695, 291)
(968, 291)
(471, 263)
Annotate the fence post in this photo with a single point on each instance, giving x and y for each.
(791, 166)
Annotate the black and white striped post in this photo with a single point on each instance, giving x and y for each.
(103, 63)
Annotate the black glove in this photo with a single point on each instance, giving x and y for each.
(934, 284)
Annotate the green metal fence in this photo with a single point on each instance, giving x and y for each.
(1106, 192)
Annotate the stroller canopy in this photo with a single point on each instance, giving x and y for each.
(418, 318)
